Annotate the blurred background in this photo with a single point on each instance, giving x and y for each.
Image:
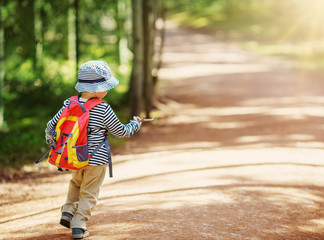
(42, 43)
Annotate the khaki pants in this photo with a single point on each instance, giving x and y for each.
(83, 193)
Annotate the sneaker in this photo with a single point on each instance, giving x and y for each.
(78, 233)
(66, 219)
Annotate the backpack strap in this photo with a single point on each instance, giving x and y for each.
(104, 142)
(109, 158)
(43, 156)
(74, 98)
(91, 103)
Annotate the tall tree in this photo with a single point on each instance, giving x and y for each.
(77, 34)
(38, 32)
(149, 33)
(66, 28)
(136, 83)
(1, 68)
(121, 7)
(119, 28)
(73, 33)
(27, 30)
(161, 17)
(157, 41)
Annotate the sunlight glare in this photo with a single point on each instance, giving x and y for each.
(311, 15)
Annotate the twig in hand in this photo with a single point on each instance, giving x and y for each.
(148, 119)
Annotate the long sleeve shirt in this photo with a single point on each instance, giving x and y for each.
(102, 120)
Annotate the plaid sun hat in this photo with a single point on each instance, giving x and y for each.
(95, 76)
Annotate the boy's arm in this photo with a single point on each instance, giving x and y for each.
(118, 129)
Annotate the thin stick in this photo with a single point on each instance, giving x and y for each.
(148, 119)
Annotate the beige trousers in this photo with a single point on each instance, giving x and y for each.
(83, 193)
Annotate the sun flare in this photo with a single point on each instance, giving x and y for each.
(310, 19)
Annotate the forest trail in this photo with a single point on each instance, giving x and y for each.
(237, 153)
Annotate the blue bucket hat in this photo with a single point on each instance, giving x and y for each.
(95, 76)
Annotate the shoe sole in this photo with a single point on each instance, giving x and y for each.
(65, 223)
(80, 236)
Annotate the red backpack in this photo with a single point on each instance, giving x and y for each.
(70, 148)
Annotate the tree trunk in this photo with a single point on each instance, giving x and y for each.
(1, 68)
(123, 55)
(38, 32)
(66, 29)
(26, 12)
(73, 33)
(149, 32)
(136, 84)
(161, 39)
(77, 36)
(118, 31)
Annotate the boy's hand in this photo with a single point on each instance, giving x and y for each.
(49, 142)
(49, 138)
(138, 119)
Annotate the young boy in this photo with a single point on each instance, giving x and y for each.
(95, 79)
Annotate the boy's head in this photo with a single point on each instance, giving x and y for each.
(95, 76)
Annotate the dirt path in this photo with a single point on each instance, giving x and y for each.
(236, 154)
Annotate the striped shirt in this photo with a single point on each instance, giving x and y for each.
(102, 120)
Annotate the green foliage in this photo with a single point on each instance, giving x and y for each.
(35, 87)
